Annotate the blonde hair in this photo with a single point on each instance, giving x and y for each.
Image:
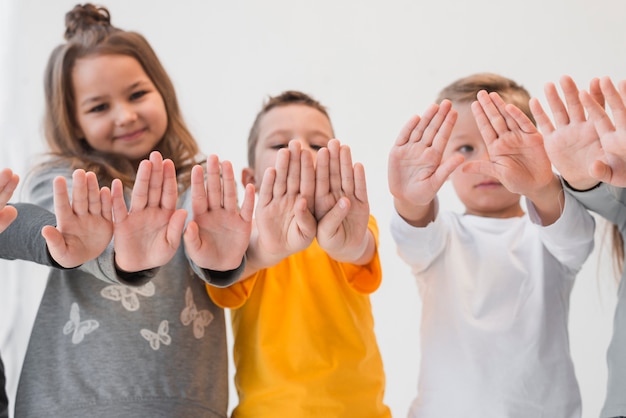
(89, 32)
(286, 98)
(464, 90)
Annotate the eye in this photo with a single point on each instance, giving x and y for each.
(316, 147)
(138, 94)
(465, 149)
(279, 146)
(99, 108)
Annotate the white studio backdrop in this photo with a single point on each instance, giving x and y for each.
(373, 64)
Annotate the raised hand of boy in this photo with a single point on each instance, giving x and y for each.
(218, 235)
(572, 142)
(517, 157)
(8, 183)
(341, 205)
(84, 226)
(415, 168)
(284, 222)
(611, 166)
(148, 234)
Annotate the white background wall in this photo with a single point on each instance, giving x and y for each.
(374, 64)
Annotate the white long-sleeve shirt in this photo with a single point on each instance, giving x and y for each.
(495, 293)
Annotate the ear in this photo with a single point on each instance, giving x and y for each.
(247, 176)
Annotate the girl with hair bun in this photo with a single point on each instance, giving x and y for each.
(132, 333)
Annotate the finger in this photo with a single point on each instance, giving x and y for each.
(597, 114)
(169, 194)
(543, 121)
(106, 204)
(199, 203)
(596, 91)
(480, 167)
(417, 133)
(307, 178)
(61, 198)
(322, 172)
(175, 227)
(501, 105)
(247, 207)
(267, 186)
(521, 119)
(279, 182)
(214, 183)
(443, 134)
(304, 219)
(120, 212)
(93, 194)
(334, 166)
(601, 171)
(8, 184)
(335, 216)
(557, 107)
(431, 130)
(55, 241)
(483, 123)
(80, 200)
(614, 100)
(191, 236)
(155, 190)
(446, 168)
(139, 195)
(293, 173)
(575, 109)
(407, 129)
(360, 186)
(230, 187)
(346, 170)
(7, 216)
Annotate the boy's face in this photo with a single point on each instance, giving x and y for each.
(481, 195)
(279, 126)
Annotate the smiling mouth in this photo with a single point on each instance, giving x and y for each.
(130, 135)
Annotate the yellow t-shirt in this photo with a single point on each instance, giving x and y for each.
(304, 338)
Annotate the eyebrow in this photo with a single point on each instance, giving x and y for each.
(94, 99)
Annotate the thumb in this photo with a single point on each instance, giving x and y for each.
(480, 167)
(331, 222)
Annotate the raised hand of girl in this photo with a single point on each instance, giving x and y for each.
(218, 235)
(84, 225)
(148, 234)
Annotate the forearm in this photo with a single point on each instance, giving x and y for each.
(416, 215)
(548, 201)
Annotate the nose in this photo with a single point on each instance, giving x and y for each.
(125, 114)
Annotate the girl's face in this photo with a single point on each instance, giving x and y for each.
(118, 108)
(481, 195)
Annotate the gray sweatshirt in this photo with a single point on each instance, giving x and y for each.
(151, 344)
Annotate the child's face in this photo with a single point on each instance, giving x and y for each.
(279, 126)
(481, 195)
(118, 108)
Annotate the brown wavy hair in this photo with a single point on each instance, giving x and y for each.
(464, 90)
(88, 32)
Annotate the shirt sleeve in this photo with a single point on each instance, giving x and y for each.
(235, 295)
(606, 200)
(39, 187)
(419, 246)
(571, 238)
(22, 240)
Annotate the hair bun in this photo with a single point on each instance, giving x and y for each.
(84, 18)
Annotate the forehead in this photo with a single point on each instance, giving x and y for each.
(465, 126)
(295, 118)
(109, 69)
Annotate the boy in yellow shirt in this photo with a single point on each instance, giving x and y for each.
(302, 320)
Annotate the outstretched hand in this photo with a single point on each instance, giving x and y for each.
(610, 167)
(517, 157)
(284, 221)
(84, 226)
(341, 204)
(149, 233)
(416, 170)
(572, 142)
(218, 235)
(8, 183)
